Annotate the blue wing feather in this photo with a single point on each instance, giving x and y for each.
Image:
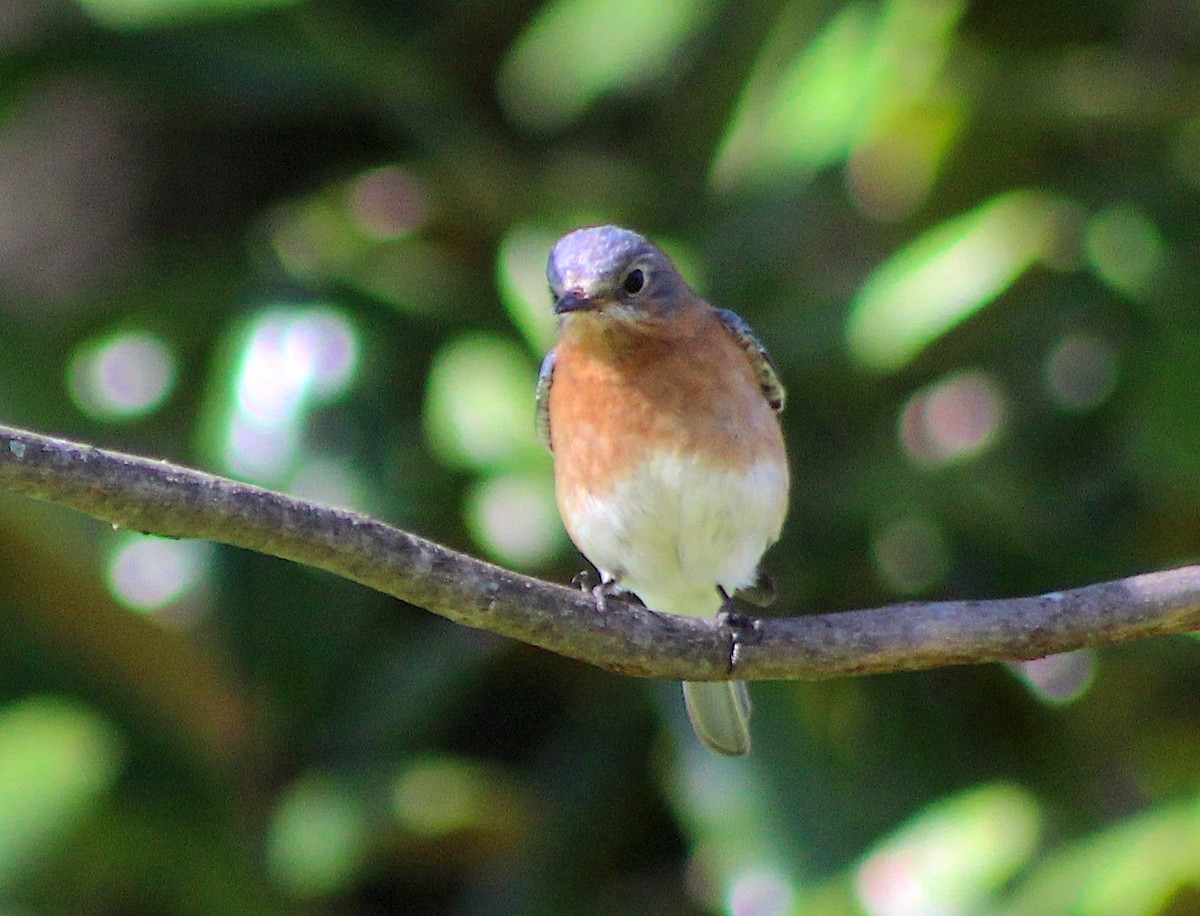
(760, 359)
(542, 400)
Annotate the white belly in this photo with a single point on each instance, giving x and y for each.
(677, 529)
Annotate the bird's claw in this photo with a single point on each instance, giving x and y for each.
(743, 629)
(585, 582)
(602, 591)
(742, 626)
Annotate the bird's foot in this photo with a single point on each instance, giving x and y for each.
(610, 589)
(744, 629)
(742, 626)
(601, 592)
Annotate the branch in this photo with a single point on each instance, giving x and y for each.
(164, 499)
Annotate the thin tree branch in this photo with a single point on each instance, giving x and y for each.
(164, 499)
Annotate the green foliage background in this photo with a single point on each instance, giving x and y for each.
(302, 243)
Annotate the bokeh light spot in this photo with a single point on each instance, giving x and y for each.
(514, 516)
(437, 796)
(910, 555)
(328, 482)
(761, 892)
(57, 760)
(322, 347)
(1124, 248)
(147, 573)
(1058, 679)
(479, 402)
(388, 202)
(458, 805)
(293, 359)
(954, 418)
(521, 278)
(318, 837)
(1080, 372)
(122, 376)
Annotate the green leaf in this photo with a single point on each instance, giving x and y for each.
(948, 274)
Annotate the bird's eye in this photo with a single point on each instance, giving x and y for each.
(634, 281)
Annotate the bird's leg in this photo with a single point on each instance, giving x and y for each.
(608, 587)
(742, 627)
(583, 581)
(600, 594)
(611, 588)
(733, 617)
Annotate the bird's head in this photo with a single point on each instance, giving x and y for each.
(615, 274)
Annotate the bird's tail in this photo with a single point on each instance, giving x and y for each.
(720, 714)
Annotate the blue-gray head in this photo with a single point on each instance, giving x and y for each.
(613, 271)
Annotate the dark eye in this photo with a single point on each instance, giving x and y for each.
(634, 281)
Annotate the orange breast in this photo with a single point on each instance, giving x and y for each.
(620, 395)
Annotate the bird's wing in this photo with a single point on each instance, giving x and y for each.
(760, 359)
(542, 401)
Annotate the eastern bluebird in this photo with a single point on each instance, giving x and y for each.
(669, 464)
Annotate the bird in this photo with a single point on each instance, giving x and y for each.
(661, 413)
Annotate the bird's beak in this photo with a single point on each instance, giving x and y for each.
(574, 301)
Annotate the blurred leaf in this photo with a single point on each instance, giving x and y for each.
(1133, 867)
(363, 233)
(479, 403)
(807, 107)
(575, 51)
(521, 278)
(805, 116)
(942, 278)
(143, 13)
(954, 855)
(57, 758)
